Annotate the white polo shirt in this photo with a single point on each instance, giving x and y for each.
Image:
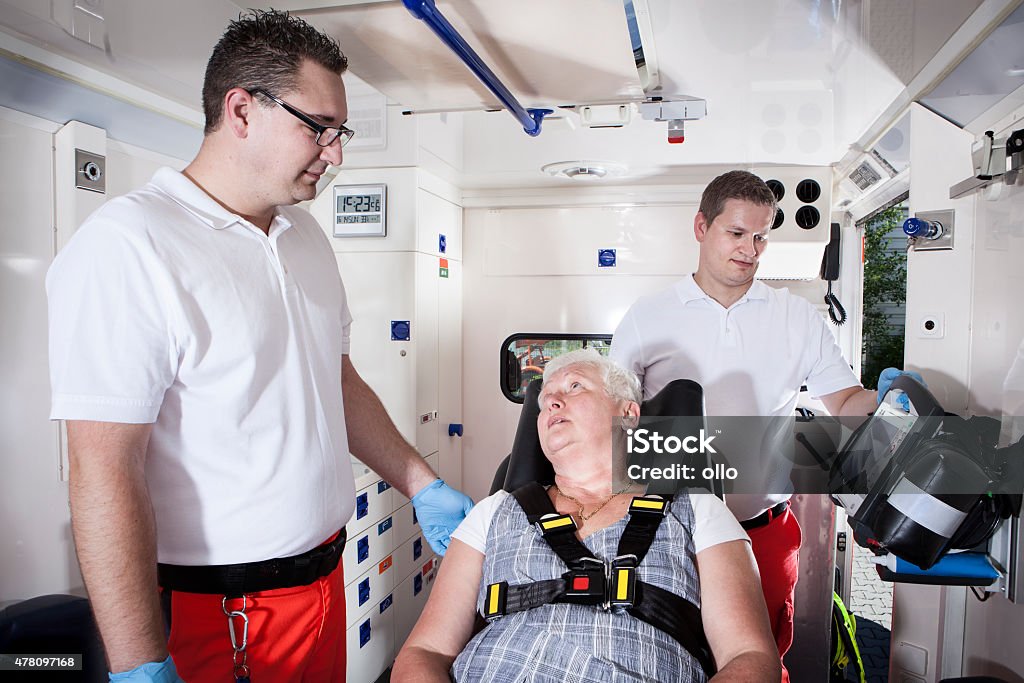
(165, 308)
(750, 358)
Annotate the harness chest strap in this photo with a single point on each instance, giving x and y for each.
(591, 581)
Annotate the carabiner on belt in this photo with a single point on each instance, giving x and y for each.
(238, 657)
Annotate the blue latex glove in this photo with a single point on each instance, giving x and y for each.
(439, 509)
(150, 672)
(885, 381)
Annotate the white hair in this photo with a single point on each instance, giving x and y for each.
(619, 383)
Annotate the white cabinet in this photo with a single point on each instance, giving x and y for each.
(405, 296)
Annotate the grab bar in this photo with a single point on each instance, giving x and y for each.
(427, 11)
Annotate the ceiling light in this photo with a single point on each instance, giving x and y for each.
(585, 169)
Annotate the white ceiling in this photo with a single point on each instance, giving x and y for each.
(786, 81)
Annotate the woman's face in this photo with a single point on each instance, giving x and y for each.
(576, 414)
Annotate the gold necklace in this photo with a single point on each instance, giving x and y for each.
(599, 507)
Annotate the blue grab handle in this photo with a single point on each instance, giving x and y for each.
(454, 429)
(916, 227)
(426, 11)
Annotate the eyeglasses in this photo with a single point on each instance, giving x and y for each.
(325, 135)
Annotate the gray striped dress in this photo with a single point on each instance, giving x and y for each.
(577, 643)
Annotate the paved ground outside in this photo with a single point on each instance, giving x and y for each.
(871, 603)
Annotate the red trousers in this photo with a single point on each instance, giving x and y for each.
(295, 634)
(776, 548)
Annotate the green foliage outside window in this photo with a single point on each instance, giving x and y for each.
(885, 284)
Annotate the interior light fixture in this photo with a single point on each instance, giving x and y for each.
(585, 170)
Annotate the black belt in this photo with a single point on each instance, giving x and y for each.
(235, 580)
(765, 517)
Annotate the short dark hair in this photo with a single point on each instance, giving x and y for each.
(734, 185)
(264, 49)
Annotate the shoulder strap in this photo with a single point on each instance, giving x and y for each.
(533, 499)
(645, 515)
(559, 531)
(677, 617)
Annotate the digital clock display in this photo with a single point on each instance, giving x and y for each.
(360, 210)
(359, 203)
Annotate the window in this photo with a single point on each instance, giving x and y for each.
(523, 356)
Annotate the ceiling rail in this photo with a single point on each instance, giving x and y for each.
(428, 12)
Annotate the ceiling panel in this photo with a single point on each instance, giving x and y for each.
(536, 47)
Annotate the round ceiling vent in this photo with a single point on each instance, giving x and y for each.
(807, 217)
(777, 188)
(808, 191)
(780, 216)
(585, 169)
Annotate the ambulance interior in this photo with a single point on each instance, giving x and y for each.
(475, 240)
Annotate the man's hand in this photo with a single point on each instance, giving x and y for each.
(439, 509)
(151, 672)
(885, 381)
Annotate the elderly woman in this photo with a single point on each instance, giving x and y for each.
(538, 591)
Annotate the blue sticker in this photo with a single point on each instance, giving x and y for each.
(382, 486)
(362, 505)
(417, 548)
(364, 633)
(605, 258)
(417, 584)
(362, 549)
(384, 526)
(400, 330)
(364, 591)
(385, 603)
(442, 243)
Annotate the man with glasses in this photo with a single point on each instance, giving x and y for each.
(199, 339)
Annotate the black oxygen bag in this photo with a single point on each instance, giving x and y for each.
(919, 485)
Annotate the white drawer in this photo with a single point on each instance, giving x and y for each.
(369, 547)
(370, 643)
(405, 524)
(411, 556)
(373, 503)
(410, 598)
(366, 591)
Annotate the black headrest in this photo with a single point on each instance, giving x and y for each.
(526, 462)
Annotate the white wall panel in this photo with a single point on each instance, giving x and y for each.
(436, 216)
(449, 368)
(380, 288)
(941, 281)
(992, 640)
(424, 334)
(34, 500)
(936, 281)
(38, 556)
(649, 240)
(134, 167)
